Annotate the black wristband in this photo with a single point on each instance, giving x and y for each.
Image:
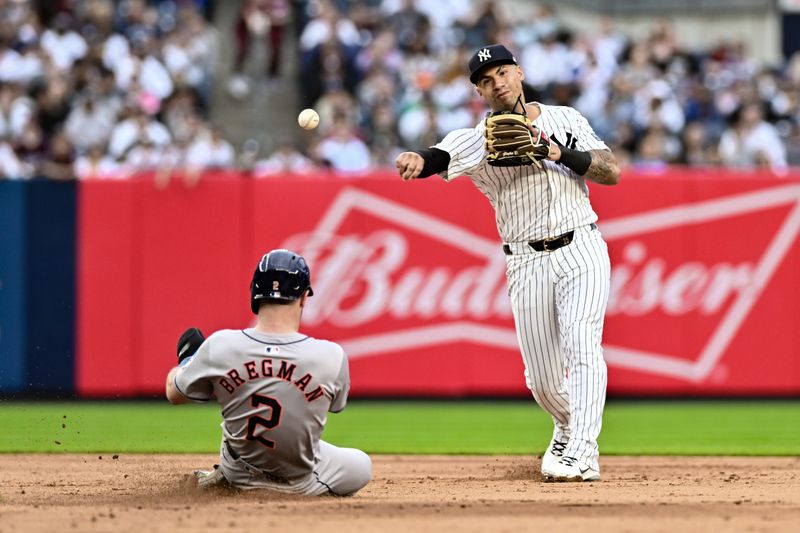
(575, 160)
(435, 161)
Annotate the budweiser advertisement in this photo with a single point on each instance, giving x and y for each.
(411, 282)
(410, 279)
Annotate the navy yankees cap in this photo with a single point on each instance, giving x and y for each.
(493, 54)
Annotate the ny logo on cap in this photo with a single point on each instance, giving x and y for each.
(484, 54)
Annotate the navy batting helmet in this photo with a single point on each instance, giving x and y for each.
(280, 275)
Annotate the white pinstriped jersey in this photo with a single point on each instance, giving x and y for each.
(530, 203)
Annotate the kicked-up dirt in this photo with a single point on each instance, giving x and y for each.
(64, 492)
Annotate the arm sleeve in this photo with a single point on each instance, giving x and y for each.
(342, 386)
(194, 379)
(467, 151)
(435, 161)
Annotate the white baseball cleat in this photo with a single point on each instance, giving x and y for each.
(554, 452)
(570, 469)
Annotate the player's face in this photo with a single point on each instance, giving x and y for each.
(500, 86)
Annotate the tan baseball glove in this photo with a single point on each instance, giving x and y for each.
(512, 140)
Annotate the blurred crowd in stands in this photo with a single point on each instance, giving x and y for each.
(392, 74)
(104, 88)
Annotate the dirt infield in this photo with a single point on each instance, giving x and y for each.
(408, 493)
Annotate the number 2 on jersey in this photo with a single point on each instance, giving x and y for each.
(269, 423)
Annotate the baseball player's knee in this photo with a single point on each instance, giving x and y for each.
(363, 467)
(543, 388)
(583, 336)
(550, 400)
(359, 472)
(589, 362)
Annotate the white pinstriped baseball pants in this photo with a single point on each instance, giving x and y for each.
(559, 301)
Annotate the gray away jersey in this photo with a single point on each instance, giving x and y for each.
(530, 203)
(274, 392)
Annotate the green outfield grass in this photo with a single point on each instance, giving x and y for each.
(630, 428)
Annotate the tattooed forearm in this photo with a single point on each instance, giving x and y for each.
(604, 169)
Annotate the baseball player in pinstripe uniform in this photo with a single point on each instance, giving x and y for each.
(558, 268)
(275, 387)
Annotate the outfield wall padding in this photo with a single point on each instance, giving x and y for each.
(37, 287)
(409, 278)
(98, 279)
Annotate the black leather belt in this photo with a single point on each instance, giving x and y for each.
(548, 245)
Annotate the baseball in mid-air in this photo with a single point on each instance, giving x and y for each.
(308, 119)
